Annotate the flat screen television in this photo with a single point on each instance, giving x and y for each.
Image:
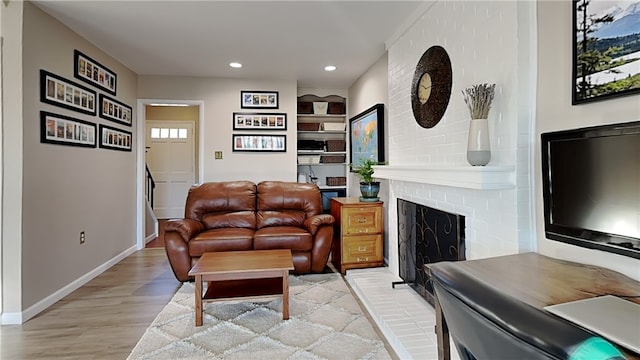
(591, 187)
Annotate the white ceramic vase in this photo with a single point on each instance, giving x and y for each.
(478, 148)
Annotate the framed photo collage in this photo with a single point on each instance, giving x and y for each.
(259, 121)
(82, 131)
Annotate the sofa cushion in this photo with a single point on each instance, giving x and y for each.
(229, 239)
(220, 198)
(238, 219)
(282, 237)
(279, 218)
(286, 204)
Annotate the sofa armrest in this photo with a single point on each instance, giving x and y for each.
(187, 228)
(313, 223)
(321, 228)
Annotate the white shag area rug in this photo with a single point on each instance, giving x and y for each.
(326, 322)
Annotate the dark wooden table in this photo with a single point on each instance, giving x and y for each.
(249, 275)
(539, 281)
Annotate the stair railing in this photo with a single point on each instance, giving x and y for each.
(150, 185)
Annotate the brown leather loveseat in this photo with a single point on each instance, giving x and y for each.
(242, 215)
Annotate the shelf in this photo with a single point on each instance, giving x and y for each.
(329, 187)
(321, 132)
(316, 116)
(310, 137)
(469, 177)
(321, 152)
(324, 164)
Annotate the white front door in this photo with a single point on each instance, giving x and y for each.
(170, 155)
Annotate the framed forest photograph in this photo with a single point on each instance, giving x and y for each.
(259, 143)
(606, 49)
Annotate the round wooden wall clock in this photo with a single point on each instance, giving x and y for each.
(431, 87)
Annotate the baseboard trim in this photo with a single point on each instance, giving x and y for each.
(151, 237)
(35, 309)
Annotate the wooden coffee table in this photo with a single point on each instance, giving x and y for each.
(243, 275)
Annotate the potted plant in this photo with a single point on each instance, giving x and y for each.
(369, 188)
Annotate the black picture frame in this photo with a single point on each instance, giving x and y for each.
(259, 143)
(366, 135)
(58, 91)
(114, 110)
(259, 121)
(254, 99)
(591, 80)
(64, 130)
(115, 139)
(94, 73)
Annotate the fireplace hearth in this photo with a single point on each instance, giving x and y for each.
(427, 235)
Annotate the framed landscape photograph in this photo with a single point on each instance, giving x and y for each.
(606, 50)
(64, 130)
(259, 121)
(259, 143)
(115, 139)
(94, 73)
(366, 131)
(259, 99)
(114, 110)
(58, 91)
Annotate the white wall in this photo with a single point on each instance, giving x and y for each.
(555, 112)
(53, 192)
(221, 99)
(2, 6)
(482, 39)
(12, 157)
(371, 89)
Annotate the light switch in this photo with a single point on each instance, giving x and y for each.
(218, 155)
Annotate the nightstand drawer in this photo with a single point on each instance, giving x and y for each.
(364, 220)
(362, 248)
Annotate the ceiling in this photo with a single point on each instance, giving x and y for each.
(284, 40)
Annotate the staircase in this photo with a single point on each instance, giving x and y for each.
(150, 219)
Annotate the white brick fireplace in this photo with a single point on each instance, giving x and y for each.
(487, 42)
(486, 196)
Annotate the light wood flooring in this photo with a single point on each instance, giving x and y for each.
(104, 319)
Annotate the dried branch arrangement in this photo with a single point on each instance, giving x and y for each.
(478, 99)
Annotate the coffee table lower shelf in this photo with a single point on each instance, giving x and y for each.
(243, 289)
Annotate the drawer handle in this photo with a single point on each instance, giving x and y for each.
(363, 230)
(362, 220)
(362, 248)
(363, 259)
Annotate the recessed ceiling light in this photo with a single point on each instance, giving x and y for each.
(329, 68)
(235, 65)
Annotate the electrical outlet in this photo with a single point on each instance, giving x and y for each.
(82, 237)
(218, 155)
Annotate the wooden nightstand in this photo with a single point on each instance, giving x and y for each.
(357, 234)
